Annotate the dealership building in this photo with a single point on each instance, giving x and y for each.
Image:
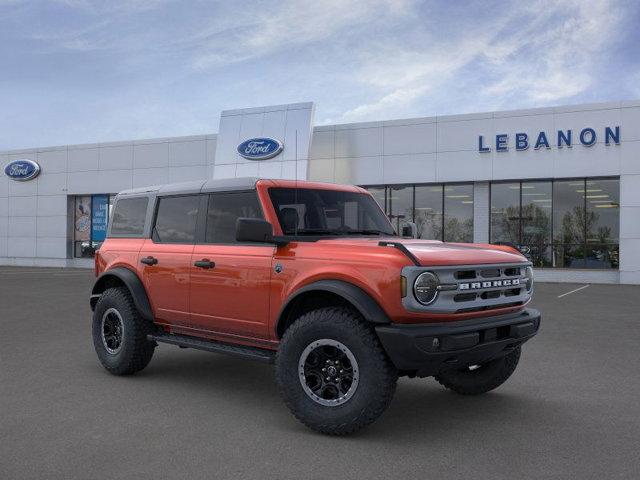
(562, 184)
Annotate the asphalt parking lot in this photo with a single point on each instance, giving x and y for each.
(571, 410)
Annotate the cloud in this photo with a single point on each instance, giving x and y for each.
(553, 60)
(395, 99)
(287, 25)
(541, 53)
(126, 69)
(406, 76)
(99, 8)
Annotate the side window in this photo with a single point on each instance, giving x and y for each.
(128, 216)
(176, 219)
(224, 209)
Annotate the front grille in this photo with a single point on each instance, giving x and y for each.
(465, 274)
(491, 294)
(488, 273)
(465, 297)
(514, 292)
(472, 288)
(493, 273)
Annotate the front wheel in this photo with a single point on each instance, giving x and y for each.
(478, 379)
(332, 371)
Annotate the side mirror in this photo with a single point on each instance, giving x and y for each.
(253, 230)
(410, 230)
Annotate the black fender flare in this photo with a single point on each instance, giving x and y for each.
(356, 296)
(133, 284)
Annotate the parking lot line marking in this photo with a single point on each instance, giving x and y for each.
(68, 274)
(573, 291)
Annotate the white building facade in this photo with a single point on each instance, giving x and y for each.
(561, 184)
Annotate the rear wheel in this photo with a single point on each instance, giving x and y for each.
(478, 379)
(120, 333)
(332, 371)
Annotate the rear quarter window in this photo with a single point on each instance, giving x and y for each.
(129, 215)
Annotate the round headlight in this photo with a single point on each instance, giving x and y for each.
(528, 273)
(425, 288)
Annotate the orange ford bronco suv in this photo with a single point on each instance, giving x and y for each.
(311, 277)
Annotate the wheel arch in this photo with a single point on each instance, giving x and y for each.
(119, 277)
(329, 293)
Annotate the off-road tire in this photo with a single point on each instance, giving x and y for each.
(377, 375)
(136, 350)
(482, 380)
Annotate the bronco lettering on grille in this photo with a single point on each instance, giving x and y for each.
(489, 284)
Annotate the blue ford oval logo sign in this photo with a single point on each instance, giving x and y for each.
(22, 170)
(260, 148)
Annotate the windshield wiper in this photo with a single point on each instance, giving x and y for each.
(326, 231)
(315, 231)
(368, 232)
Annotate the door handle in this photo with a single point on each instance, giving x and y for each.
(204, 263)
(149, 260)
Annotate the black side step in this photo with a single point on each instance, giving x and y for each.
(250, 353)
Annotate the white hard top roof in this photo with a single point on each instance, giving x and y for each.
(199, 186)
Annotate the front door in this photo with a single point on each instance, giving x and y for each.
(229, 294)
(166, 258)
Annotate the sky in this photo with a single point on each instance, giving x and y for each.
(80, 71)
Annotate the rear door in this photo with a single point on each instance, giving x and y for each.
(230, 281)
(166, 257)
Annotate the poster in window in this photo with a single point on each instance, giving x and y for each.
(99, 217)
(82, 228)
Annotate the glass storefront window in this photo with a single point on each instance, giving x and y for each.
(505, 213)
(603, 223)
(569, 223)
(400, 203)
(428, 211)
(563, 223)
(458, 213)
(82, 227)
(440, 212)
(568, 212)
(536, 201)
(91, 216)
(603, 211)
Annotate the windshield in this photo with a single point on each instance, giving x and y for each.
(307, 211)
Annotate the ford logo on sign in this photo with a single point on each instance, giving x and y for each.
(260, 148)
(22, 170)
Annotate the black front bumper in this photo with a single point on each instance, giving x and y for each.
(427, 349)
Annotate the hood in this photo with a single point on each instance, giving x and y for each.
(439, 253)
(433, 252)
